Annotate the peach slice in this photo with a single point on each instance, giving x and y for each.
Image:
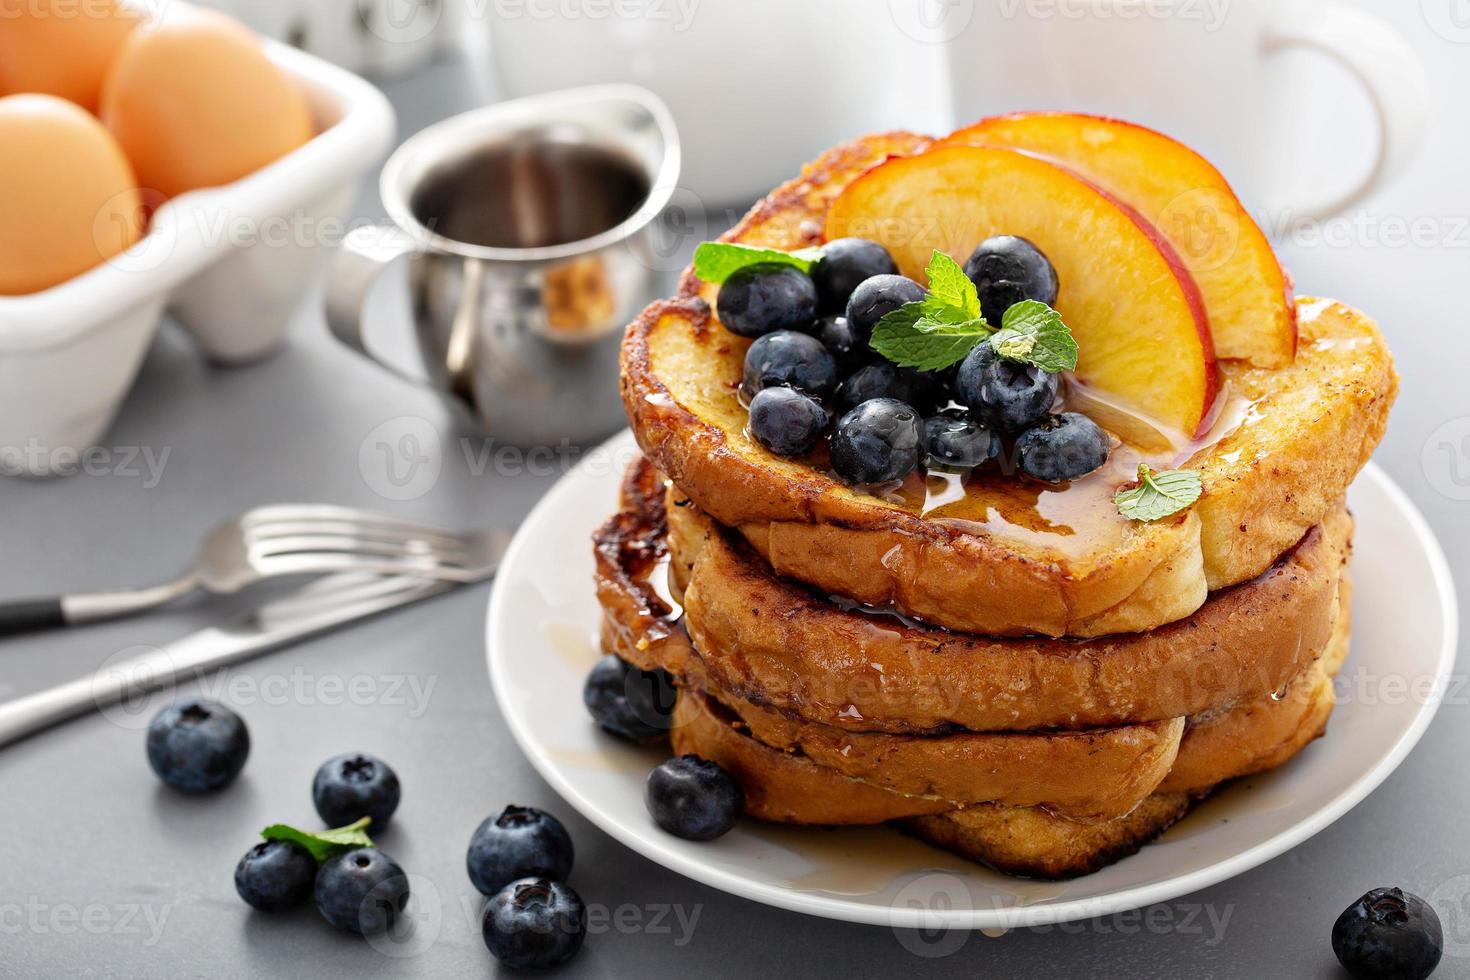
(1140, 325)
(1247, 294)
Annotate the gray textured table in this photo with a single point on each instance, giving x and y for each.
(105, 873)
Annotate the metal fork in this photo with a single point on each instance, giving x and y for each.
(277, 541)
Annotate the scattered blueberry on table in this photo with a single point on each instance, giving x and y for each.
(1388, 934)
(362, 891)
(519, 842)
(693, 798)
(275, 874)
(534, 924)
(197, 746)
(353, 786)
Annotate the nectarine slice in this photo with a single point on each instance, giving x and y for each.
(1136, 314)
(1247, 294)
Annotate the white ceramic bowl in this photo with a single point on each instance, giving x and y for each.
(234, 264)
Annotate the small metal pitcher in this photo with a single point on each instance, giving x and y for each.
(527, 232)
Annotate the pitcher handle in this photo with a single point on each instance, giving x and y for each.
(366, 256)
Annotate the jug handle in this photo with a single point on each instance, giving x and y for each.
(366, 256)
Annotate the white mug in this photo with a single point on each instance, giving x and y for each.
(1206, 72)
(757, 87)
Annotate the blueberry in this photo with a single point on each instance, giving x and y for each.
(884, 379)
(522, 842)
(877, 296)
(836, 334)
(958, 443)
(845, 263)
(275, 874)
(196, 745)
(361, 891)
(693, 798)
(786, 422)
(634, 704)
(1062, 447)
(760, 298)
(354, 786)
(533, 924)
(1003, 394)
(1388, 934)
(879, 441)
(790, 359)
(1007, 269)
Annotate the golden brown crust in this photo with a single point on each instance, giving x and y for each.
(773, 643)
(1092, 775)
(1313, 426)
(1030, 842)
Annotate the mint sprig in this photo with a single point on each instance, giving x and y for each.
(943, 327)
(717, 261)
(1033, 333)
(938, 330)
(323, 843)
(952, 295)
(1158, 495)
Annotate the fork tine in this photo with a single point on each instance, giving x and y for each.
(312, 513)
(328, 544)
(420, 566)
(391, 535)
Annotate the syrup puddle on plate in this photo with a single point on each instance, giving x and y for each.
(864, 861)
(579, 648)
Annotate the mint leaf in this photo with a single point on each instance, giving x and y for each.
(324, 843)
(1159, 495)
(952, 296)
(910, 338)
(717, 261)
(1033, 333)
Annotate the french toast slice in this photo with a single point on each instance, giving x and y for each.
(1082, 775)
(1007, 558)
(1033, 841)
(1026, 841)
(773, 643)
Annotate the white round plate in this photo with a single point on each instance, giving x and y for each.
(542, 636)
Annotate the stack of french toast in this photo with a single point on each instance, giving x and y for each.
(1022, 671)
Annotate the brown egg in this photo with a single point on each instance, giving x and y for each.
(62, 47)
(195, 103)
(68, 199)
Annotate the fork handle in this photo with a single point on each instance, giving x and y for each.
(30, 615)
